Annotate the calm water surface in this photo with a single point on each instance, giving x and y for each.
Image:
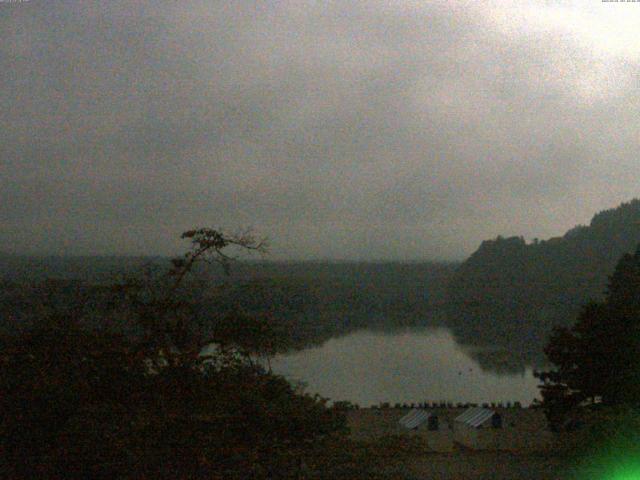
(411, 365)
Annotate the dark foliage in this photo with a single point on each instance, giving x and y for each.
(596, 361)
(78, 405)
(80, 398)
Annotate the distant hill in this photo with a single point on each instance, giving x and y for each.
(89, 268)
(310, 301)
(512, 293)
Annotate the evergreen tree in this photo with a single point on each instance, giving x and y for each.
(597, 359)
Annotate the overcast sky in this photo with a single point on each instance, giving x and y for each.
(338, 129)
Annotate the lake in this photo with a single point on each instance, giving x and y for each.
(415, 364)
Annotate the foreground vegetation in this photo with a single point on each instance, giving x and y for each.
(593, 391)
(129, 394)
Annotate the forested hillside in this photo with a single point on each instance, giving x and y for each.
(512, 292)
(308, 302)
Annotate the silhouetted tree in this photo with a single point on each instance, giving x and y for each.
(597, 359)
(79, 401)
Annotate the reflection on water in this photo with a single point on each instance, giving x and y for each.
(409, 365)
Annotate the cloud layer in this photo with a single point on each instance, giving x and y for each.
(339, 129)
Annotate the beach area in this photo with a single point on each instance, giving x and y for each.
(522, 449)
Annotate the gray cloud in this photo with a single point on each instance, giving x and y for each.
(339, 129)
